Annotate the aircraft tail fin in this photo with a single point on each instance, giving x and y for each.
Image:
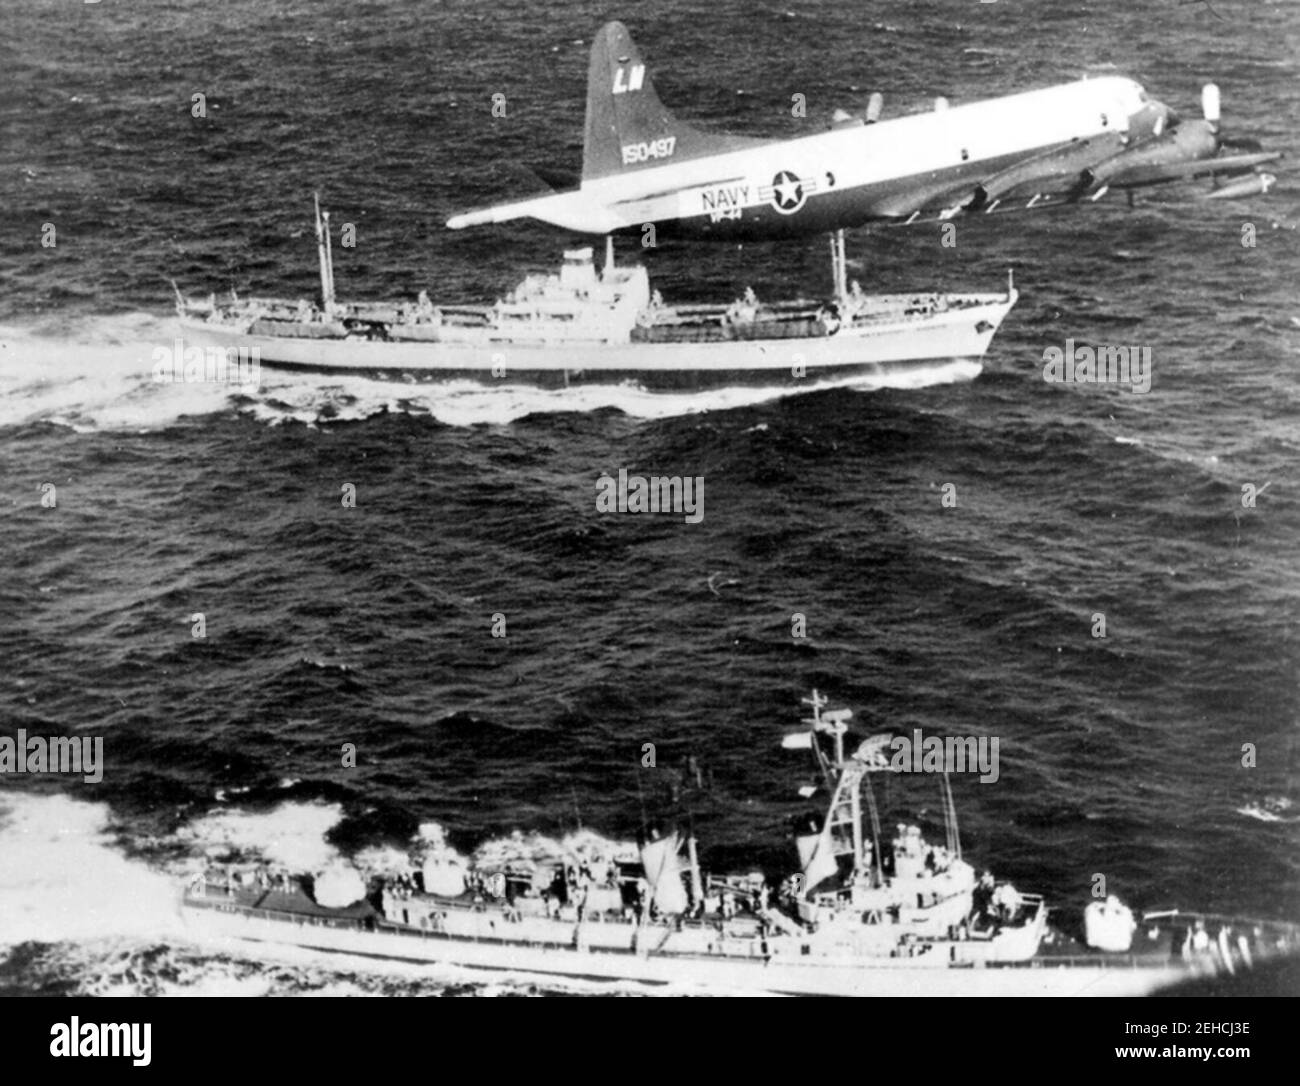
(628, 128)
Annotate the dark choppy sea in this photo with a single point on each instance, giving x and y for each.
(371, 626)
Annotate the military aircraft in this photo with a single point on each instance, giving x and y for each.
(1064, 144)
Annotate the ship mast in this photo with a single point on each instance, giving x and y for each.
(874, 812)
(326, 255)
(844, 818)
(692, 853)
(950, 818)
(839, 266)
(844, 778)
(693, 857)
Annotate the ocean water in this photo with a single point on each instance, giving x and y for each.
(372, 625)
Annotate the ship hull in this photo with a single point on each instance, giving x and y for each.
(793, 364)
(810, 975)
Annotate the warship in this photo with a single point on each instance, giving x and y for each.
(601, 325)
(860, 916)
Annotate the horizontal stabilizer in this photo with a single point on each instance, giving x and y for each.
(568, 210)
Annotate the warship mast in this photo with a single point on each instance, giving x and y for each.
(326, 255)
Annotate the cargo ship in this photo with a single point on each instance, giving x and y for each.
(602, 325)
(862, 915)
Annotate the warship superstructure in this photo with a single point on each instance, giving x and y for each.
(862, 914)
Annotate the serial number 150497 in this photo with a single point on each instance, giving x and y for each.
(644, 152)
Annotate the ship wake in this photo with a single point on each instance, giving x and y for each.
(63, 878)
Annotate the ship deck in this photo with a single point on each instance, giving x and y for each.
(1158, 952)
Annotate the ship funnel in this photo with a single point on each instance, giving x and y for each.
(664, 874)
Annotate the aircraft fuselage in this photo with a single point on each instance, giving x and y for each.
(851, 176)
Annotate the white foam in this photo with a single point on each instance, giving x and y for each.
(292, 834)
(537, 847)
(384, 860)
(97, 377)
(220, 985)
(61, 877)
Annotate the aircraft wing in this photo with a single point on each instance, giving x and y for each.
(1229, 165)
(1032, 194)
(1158, 149)
(923, 203)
